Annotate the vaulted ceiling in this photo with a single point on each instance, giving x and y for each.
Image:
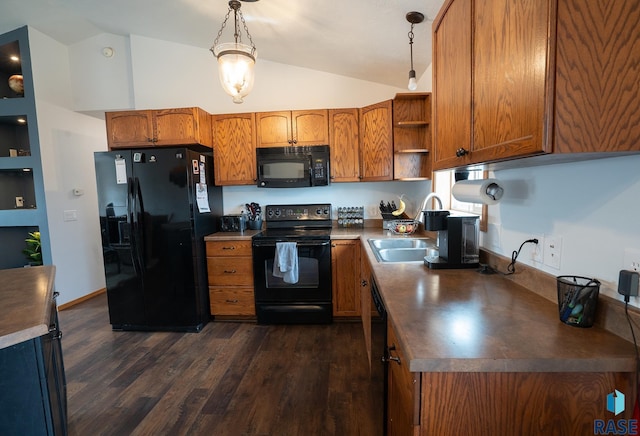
(363, 39)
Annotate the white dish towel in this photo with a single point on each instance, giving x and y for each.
(285, 264)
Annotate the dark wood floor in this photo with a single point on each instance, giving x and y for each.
(229, 379)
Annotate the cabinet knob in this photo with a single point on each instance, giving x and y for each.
(229, 248)
(232, 271)
(364, 283)
(231, 301)
(461, 152)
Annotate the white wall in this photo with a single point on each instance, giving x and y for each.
(173, 75)
(67, 142)
(338, 194)
(101, 83)
(592, 206)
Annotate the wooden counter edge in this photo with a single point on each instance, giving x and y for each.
(39, 329)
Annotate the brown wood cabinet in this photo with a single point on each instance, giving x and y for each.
(344, 143)
(230, 274)
(412, 136)
(513, 80)
(345, 275)
(308, 127)
(376, 142)
(403, 391)
(234, 142)
(153, 128)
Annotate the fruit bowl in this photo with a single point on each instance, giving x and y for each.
(404, 227)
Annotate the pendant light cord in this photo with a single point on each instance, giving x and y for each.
(410, 34)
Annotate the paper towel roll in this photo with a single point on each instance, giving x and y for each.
(485, 191)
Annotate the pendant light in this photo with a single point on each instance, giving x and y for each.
(235, 59)
(414, 18)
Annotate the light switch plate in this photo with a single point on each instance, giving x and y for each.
(70, 215)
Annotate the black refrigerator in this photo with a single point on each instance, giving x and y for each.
(155, 206)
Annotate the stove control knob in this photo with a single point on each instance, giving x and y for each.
(278, 212)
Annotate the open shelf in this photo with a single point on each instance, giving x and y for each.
(22, 194)
(11, 70)
(13, 241)
(412, 136)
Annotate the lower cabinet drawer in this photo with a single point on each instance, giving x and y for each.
(230, 271)
(232, 301)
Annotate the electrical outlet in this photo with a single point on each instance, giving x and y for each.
(552, 251)
(537, 250)
(19, 202)
(631, 259)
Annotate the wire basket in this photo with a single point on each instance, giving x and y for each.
(403, 227)
(577, 300)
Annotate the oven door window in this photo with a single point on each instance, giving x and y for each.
(314, 275)
(308, 274)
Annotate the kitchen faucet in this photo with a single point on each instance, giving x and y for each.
(425, 203)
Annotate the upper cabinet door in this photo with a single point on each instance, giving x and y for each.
(597, 80)
(182, 126)
(310, 127)
(277, 129)
(234, 144)
(452, 85)
(510, 51)
(165, 127)
(129, 129)
(344, 143)
(273, 129)
(376, 142)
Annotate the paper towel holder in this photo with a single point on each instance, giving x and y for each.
(487, 191)
(494, 191)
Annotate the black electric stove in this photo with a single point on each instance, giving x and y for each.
(307, 298)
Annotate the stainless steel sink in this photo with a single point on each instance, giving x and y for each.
(401, 250)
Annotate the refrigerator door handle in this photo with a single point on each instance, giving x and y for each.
(139, 225)
(131, 218)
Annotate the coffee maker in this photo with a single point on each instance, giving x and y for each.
(458, 239)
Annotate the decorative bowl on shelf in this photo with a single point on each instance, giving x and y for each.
(404, 227)
(16, 84)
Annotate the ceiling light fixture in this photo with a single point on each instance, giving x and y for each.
(414, 18)
(235, 59)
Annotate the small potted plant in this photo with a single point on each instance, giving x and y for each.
(34, 249)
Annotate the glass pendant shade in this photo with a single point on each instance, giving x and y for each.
(236, 63)
(413, 85)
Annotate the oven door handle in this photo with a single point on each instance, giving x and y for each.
(300, 244)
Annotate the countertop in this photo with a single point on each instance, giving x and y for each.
(229, 236)
(463, 321)
(26, 303)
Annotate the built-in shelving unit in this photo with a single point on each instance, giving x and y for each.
(412, 136)
(22, 196)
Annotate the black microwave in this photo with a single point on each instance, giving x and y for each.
(293, 166)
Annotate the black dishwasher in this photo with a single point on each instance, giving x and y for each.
(379, 350)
